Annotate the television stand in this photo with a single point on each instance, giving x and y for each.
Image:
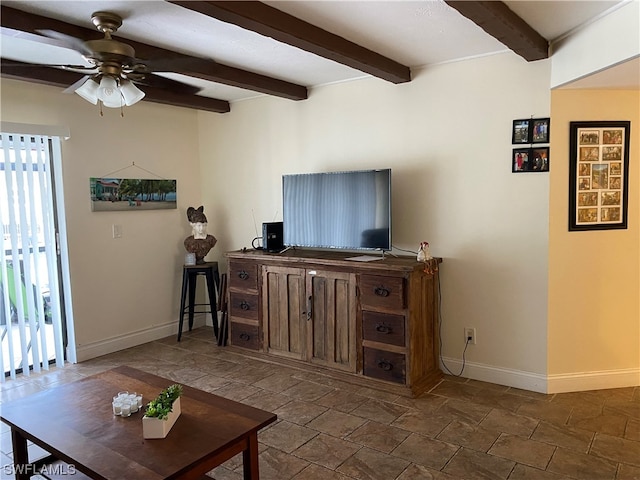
(374, 323)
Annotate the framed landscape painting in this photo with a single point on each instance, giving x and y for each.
(118, 194)
(598, 175)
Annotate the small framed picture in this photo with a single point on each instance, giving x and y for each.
(540, 159)
(521, 131)
(521, 160)
(540, 130)
(530, 160)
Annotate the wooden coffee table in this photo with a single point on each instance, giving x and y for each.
(74, 422)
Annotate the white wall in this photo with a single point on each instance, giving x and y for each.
(125, 291)
(604, 43)
(447, 137)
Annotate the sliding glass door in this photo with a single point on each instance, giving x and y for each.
(32, 314)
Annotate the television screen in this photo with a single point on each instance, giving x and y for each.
(346, 210)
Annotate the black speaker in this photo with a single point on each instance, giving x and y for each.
(272, 236)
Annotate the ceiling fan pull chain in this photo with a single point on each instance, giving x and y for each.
(101, 112)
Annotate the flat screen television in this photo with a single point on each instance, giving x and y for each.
(343, 210)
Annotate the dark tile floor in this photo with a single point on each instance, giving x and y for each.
(330, 430)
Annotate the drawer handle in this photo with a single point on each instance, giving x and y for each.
(381, 291)
(384, 365)
(245, 336)
(244, 305)
(243, 275)
(382, 328)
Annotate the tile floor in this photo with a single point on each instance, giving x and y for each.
(328, 430)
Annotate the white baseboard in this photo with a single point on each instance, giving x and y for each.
(133, 339)
(629, 377)
(535, 382)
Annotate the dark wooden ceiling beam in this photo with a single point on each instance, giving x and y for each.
(167, 97)
(501, 22)
(63, 78)
(191, 66)
(271, 22)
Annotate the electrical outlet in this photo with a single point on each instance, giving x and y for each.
(470, 335)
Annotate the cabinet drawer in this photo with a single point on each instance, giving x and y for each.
(380, 291)
(245, 336)
(243, 305)
(243, 275)
(388, 366)
(383, 327)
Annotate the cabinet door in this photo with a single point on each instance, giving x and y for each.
(332, 330)
(284, 311)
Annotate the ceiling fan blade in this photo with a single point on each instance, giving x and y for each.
(69, 41)
(164, 83)
(9, 64)
(75, 85)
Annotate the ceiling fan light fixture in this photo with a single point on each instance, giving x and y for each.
(115, 101)
(108, 91)
(89, 91)
(130, 93)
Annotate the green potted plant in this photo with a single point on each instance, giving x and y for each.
(162, 412)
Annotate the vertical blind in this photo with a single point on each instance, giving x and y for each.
(31, 319)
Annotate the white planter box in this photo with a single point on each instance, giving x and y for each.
(156, 428)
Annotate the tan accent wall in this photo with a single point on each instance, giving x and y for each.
(594, 276)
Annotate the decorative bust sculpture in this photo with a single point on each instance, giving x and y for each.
(199, 242)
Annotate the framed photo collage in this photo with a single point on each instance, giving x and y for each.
(598, 175)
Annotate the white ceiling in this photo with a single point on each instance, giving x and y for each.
(414, 33)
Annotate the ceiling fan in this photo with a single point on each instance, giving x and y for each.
(114, 69)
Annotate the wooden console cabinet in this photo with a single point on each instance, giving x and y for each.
(374, 323)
